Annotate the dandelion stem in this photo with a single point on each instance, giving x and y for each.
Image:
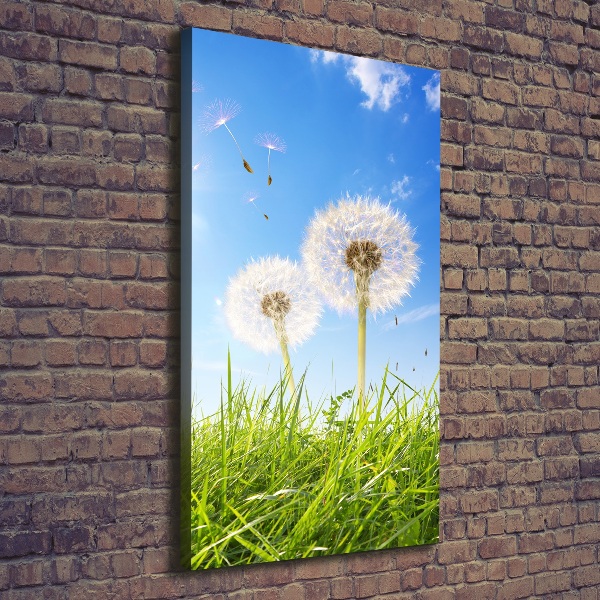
(270, 179)
(362, 350)
(246, 165)
(288, 374)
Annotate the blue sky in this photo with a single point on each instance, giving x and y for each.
(351, 125)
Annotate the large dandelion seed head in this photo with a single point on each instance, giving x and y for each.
(270, 141)
(360, 249)
(268, 300)
(218, 113)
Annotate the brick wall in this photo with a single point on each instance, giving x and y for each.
(89, 297)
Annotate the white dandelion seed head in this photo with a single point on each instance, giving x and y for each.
(218, 113)
(270, 141)
(266, 294)
(360, 235)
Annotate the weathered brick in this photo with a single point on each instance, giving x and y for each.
(350, 13)
(67, 23)
(88, 54)
(28, 46)
(213, 17)
(137, 60)
(483, 38)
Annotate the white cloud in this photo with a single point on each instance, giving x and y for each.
(381, 82)
(330, 57)
(434, 164)
(400, 187)
(404, 118)
(432, 92)
(417, 314)
(391, 158)
(325, 56)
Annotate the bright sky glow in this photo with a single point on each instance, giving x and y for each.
(348, 125)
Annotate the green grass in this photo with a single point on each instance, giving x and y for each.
(274, 479)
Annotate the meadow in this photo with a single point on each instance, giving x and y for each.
(277, 477)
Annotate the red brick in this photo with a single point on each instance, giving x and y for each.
(14, 15)
(16, 107)
(137, 60)
(28, 46)
(132, 118)
(517, 588)
(23, 544)
(440, 29)
(153, 353)
(66, 172)
(145, 384)
(26, 354)
(522, 45)
(212, 17)
(8, 137)
(138, 91)
(73, 539)
(483, 38)
(115, 176)
(26, 200)
(88, 54)
(26, 386)
(497, 546)
(41, 291)
(78, 81)
(60, 261)
(109, 86)
(15, 168)
(350, 13)
(25, 260)
(158, 179)
(83, 384)
(113, 325)
(396, 21)
(66, 140)
(310, 33)
(456, 552)
(60, 353)
(154, 207)
(92, 352)
(67, 23)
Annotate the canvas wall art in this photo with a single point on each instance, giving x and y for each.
(310, 302)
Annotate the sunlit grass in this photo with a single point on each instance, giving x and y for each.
(276, 479)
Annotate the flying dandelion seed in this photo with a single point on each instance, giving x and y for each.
(271, 142)
(360, 254)
(202, 166)
(269, 304)
(196, 87)
(219, 113)
(250, 198)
